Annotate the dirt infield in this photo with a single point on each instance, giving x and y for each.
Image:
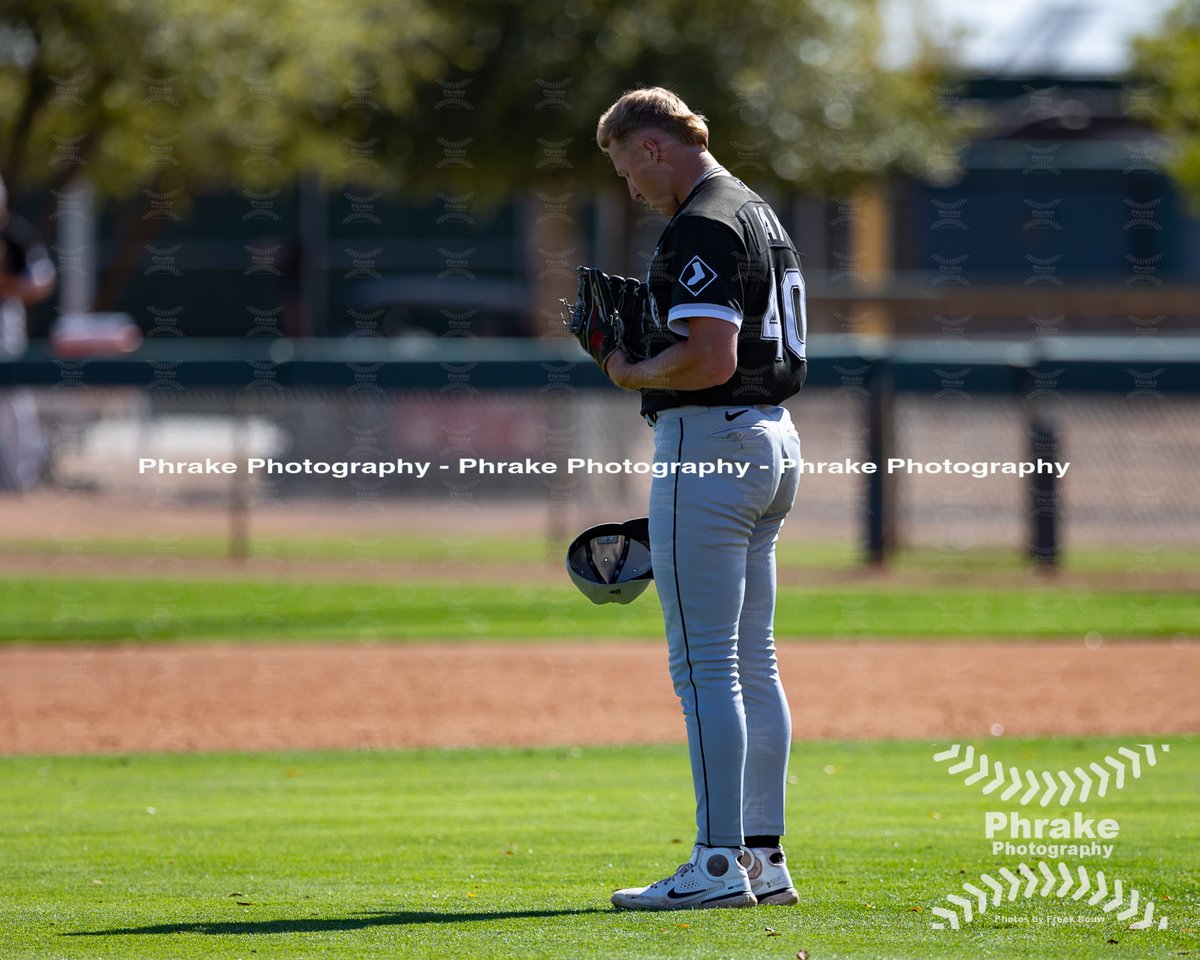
(187, 698)
(72, 699)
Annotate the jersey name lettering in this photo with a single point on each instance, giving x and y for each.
(770, 224)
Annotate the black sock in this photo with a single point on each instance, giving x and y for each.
(763, 841)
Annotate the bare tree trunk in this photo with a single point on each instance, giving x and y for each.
(62, 179)
(133, 231)
(553, 249)
(871, 251)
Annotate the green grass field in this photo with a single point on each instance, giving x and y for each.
(500, 551)
(514, 854)
(34, 609)
(486, 854)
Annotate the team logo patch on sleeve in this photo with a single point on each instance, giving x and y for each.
(697, 275)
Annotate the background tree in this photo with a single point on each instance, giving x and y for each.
(797, 82)
(156, 103)
(1168, 94)
(159, 102)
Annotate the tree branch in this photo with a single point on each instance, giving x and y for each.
(37, 93)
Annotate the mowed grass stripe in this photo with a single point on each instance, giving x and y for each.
(36, 609)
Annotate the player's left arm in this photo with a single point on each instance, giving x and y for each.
(707, 358)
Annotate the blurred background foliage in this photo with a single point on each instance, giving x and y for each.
(798, 84)
(1168, 68)
(139, 94)
(151, 98)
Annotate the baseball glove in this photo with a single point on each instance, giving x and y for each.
(609, 313)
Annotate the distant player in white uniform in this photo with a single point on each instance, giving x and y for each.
(27, 276)
(727, 298)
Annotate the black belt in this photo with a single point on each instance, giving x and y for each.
(652, 417)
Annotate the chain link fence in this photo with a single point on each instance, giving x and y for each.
(1131, 480)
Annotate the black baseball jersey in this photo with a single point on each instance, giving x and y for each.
(724, 254)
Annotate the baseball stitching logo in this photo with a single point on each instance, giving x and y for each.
(978, 771)
(979, 904)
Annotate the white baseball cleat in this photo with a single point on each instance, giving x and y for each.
(769, 878)
(714, 877)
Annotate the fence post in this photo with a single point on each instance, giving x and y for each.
(1043, 495)
(239, 491)
(881, 495)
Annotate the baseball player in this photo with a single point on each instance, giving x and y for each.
(27, 276)
(727, 305)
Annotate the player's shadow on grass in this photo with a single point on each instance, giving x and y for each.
(379, 918)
